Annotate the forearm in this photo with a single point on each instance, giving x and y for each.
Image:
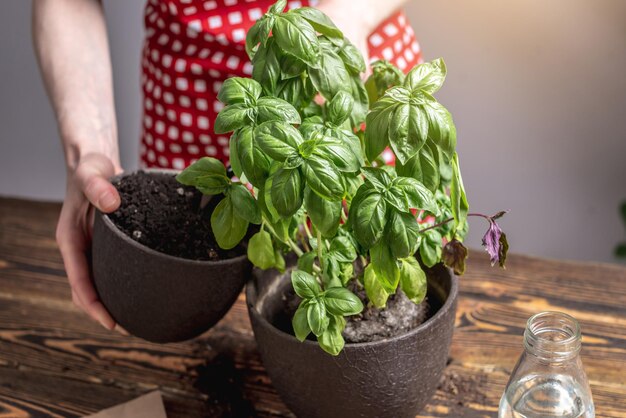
(71, 45)
(367, 13)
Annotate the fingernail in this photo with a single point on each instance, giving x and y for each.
(104, 325)
(105, 322)
(121, 330)
(107, 200)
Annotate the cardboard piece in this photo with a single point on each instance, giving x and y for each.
(146, 406)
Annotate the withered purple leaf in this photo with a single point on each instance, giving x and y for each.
(495, 243)
(503, 250)
(454, 255)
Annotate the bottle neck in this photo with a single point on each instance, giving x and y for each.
(552, 336)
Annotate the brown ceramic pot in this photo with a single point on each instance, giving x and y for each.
(392, 378)
(159, 297)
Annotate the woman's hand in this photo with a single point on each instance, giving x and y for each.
(70, 40)
(87, 187)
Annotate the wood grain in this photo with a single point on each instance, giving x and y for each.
(54, 362)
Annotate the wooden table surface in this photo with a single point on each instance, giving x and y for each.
(55, 362)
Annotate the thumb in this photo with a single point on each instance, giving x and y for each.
(92, 174)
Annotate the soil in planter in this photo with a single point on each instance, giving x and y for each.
(399, 317)
(166, 216)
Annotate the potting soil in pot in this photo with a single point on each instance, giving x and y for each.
(399, 317)
(373, 324)
(166, 216)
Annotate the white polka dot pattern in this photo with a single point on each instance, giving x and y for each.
(191, 47)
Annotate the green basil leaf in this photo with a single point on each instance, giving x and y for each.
(291, 67)
(343, 249)
(295, 36)
(384, 76)
(265, 195)
(428, 76)
(402, 234)
(316, 316)
(402, 95)
(207, 173)
(287, 191)
(458, 197)
(441, 129)
(378, 177)
(311, 127)
(245, 205)
(324, 214)
(292, 90)
(233, 117)
(362, 192)
(306, 261)
(369, 222)
(361, 101)
(254, 163)
(423, 167)
(351, 183)
(320, 22)
(312, 108)
(228, 227)
(331, 271)
(253, 37)
(279, 261)
(430, 247)
(278, 7)
(294, 160)
(445, 169)
(237, 90)
(331, 341)
(352, 58)
(408, 131)
(377, 132)
(413, 280)
(375, 292)
(305, 284)
(259, 33)
(233, 157)
(261, 250)
(212, 184)
(331, 77)
(397, 198)
(274, 109)
(323, 178)
(280, 226)
(300, 323)
(386, 266)
(341, 301)
(340, 153)
(265, 67)
(279, 140)
(347, 273)
(418, 196)
(339, 108)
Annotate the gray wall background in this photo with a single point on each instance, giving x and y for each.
(537, 89)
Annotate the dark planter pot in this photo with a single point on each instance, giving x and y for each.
(159, 297)
(392, 378)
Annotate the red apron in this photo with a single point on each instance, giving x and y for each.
(191, 47)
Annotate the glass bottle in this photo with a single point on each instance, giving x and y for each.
(548, 380)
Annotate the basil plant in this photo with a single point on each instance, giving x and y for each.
(306, 145)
